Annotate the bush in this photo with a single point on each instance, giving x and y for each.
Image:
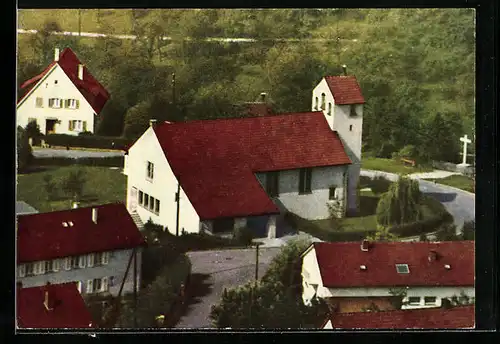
(88, 141)
(243, 235)
(115, 161)
(379, 185)
(24, 154)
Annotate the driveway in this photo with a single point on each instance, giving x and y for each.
(460, 204)
(212, 271)
(72, 154)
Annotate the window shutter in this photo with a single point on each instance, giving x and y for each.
(90, 287)
(90, 260)
(41, 267)
(104, 284)
(84, 125)
(105, 258)
(70, 125)
(79, 286)
(66, 103)
(67, 263)
(77, 103)
(51, 101)
(55, 265)
(81, 261)
(21, 270)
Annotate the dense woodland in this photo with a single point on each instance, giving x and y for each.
(416, 67)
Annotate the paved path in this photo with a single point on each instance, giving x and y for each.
(72, 154)
(215, 270)
(460, 204)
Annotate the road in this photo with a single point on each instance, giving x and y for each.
(460, 204)
(73, 154)
(215, 270)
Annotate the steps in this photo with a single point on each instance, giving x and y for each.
(137, 220)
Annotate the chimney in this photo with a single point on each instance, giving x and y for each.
(365, 244)
(152, 122)
(344, 68)
(94, 215)
(56, 54)
(263, 97)
(75, 205)
(433, 256)
(80, 71)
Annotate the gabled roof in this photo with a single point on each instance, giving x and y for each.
(432, 318)
(215, 160)
(345, 90)
(91, 89)
(339, 264)
(43, 236)
(67, 308)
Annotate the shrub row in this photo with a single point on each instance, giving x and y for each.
(429, 225)
(115, 161)
(310, 228)
(87, 141)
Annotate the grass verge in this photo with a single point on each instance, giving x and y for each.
(391, 166)
(459, 182)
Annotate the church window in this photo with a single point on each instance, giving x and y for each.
(305, 181)
(323, 104)
(353, 112)
(329, 109)
(316, 104)
(332, 194)
(350, 127)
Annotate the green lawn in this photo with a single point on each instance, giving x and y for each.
(458, 181)
(103, 185)
(391, 165)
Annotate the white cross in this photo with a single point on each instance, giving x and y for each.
(465, 140)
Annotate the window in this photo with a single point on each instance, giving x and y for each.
(353, 112)
(39, 268)
(151, 203)
(402, 269)
(97, 285)
(332, 194)
(98, 258)
(71, 103)
(75, 261)
(316, 107)
(329, 109)
(48, 265)
(29, 269)
(90, 260)
(104, 284)
(21, 270)
(55, 82)
(111, 281)
(350, 127)
(150, 171)
(157, 207)
(77, 125)
(55, 265)
(105, 258)
(67, 263)
(146, 200)
(323, 104)
(55, 103)
(272, 184)
(414, 300)
(141, 197)
(305, 180)
(39, 102)
(430, 300)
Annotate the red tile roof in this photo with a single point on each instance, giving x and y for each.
(345, 90)
(43, 237)
(215, 160)
(67, 307)
(340, 262)
(91, 89)
(431, 318)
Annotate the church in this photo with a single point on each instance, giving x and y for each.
(215, 176)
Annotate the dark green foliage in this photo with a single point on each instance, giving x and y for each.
(115, 161)
(50, 187)
(401, 204)
(379, 185)
(469, 230)
(243, 235)
(447, 232)
(458, 300)
(33, 130)
(74, 183)
(397, 297)
(382, 234)
(87, 141)
(423, 237)
(24, 154)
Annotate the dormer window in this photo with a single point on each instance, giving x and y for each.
(402, 268)
(323, 101)
(353, 112)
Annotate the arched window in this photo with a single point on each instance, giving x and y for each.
(329, 109)
(317, 103)
(323, 105)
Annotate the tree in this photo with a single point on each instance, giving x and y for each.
(24, 152)
(458, 300)
(401, 204)
(74, 183)
(33, 130)
(397, 297)
(447, 232)
(468, 230)
(423, 237)
(382, 234)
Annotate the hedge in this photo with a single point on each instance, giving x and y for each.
(114, 161)
(87, 141)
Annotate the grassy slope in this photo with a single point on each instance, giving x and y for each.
(391, 165)
(458, 181)
(103, 185)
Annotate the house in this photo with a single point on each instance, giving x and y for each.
(341, 101)
(461, 317)
(354, 277)
(52, 306)
(236, 172)
(23, 208)
(247, 172)
(92, 246)
(64, 99)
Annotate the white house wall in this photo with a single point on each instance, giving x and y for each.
(115, 268)
(312, 206)
(64, 89)
(163, 187)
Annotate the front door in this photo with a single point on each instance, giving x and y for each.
(133, 200)
(50, 126)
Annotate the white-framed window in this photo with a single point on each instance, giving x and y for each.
(90, 260)
(150, 170)
(430, 300)
(29, 269)
(402, 269)
(332, 193)
(323, 101)
(81, 261)
(305, 176)
(67, 263)
(141, 197)
(97, 284)
(21, 270)
(329, 109)
(55, 103)
(157, 207)
(39, 102)
(146, 200)
(49, 265)
(105, 258)
(39, 268)
(316, 104)
(151, 203)
(72, 103)
(105, 284)
(77, 125)
(89, 288)
(414, 300)
(75, 262)
(55, 265)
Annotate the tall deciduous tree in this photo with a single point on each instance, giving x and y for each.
(24, 155)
